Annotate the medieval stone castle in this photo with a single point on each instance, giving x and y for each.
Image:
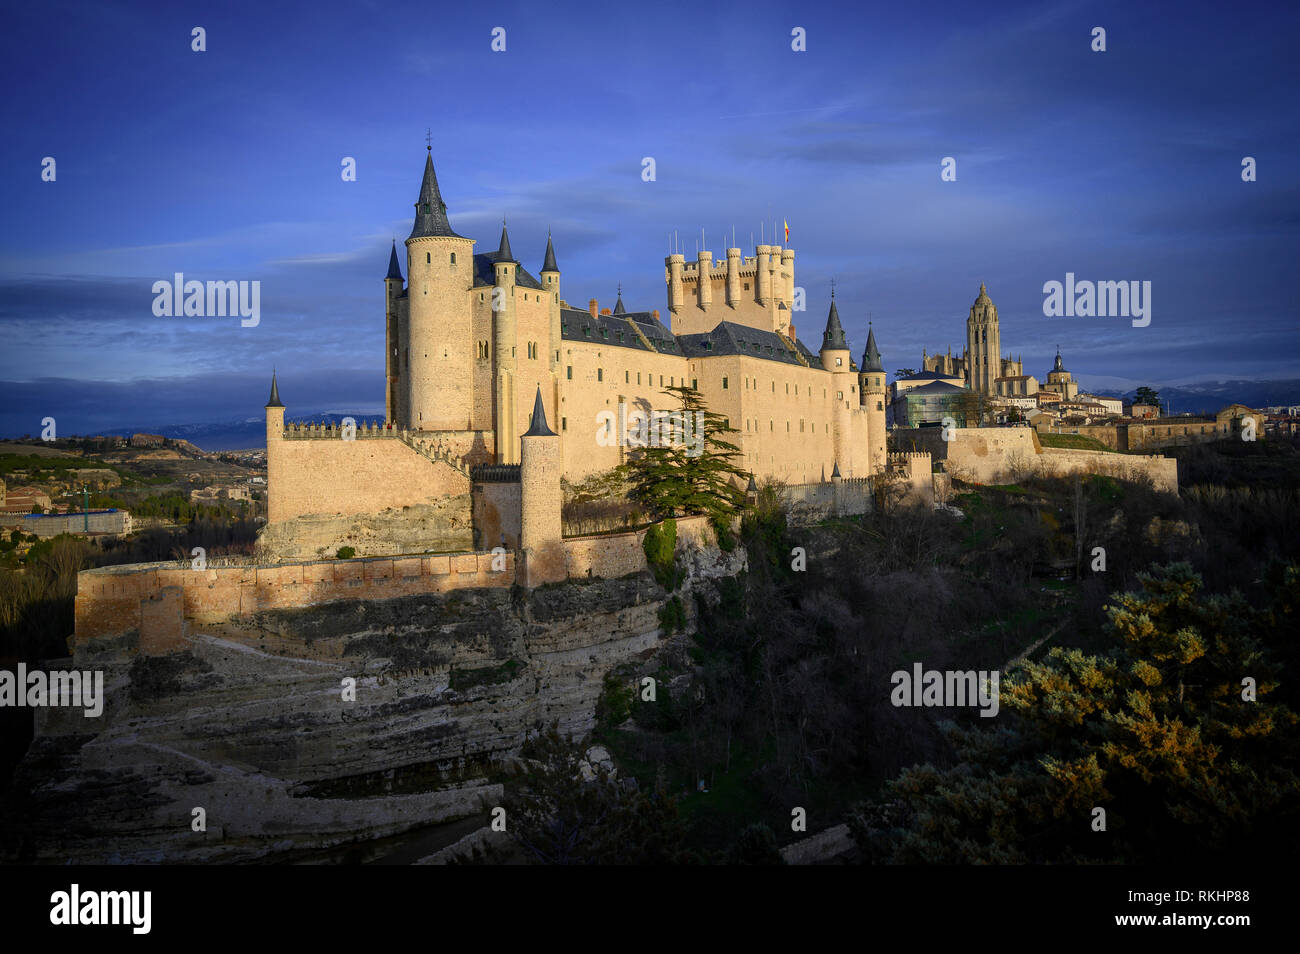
(497, 388)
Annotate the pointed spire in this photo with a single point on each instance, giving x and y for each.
(871, 356)
(549, 264)
(618, 305)
(753, 487)
(833, 339)
(836, 471)
(430, 210)
(503, 251)
(537, 427)
(394, 270)
(274, 399)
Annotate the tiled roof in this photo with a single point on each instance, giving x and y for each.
(485, 274)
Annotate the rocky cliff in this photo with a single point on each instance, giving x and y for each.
(256, 721)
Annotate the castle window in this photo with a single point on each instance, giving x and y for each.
(746, 286)
(770, 425)
(879, 406)
(661, 380)
(638, 377)
(838, 362)
(600, 374)
(695, 383)
(839, 395)
(564, 423)
(586, 330)
(724, 384)
(513, 349)
(453, 258)
(787, 427)
(672, 382)
(569, 372)
(480, 296)
(801, 425)
(428, 256)
(620, 336)
(604, 332)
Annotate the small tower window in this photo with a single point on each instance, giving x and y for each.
(724, 384)
(453, 258)
(428, 256)
(600, 374)
(569, 372)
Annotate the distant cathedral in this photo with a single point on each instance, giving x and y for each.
(981, 365)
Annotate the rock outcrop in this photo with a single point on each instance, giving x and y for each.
(294, 732)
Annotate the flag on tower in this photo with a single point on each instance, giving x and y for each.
(787, 232)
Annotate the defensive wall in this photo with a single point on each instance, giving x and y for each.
(157, 601)
(1003, 455)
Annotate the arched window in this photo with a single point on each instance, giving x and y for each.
(428, 258)
(453, 258)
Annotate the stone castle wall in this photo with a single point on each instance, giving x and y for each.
(376, 494)
(156, 600)
(1003, 455)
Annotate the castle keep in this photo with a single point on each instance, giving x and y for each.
(495, 385)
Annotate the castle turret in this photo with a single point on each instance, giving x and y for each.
(704, 269)
(505, 271)
(733, 277)
(673, 265)
(837, 360)
(274, 442)
(438, 363)
(835, 346)
(763, 269)
(540, 529)
(787, 274)
(871, 390)
(392, 295)
(551, 282)
(550, 271)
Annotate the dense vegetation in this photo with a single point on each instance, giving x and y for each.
(1122, 686)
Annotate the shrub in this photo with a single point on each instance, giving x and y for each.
(346, 553)
(660, 545)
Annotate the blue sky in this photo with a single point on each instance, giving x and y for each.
(225, 165)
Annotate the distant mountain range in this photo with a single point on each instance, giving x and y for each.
(1213, 396)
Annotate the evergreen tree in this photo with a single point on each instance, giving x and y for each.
(694, 476)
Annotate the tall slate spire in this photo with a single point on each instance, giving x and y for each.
(274, 399)
(871, 356)
(503, 252)
(549, 264)
(430, 210)
(537, 427)
(618, 305)
(833, 339)
(394, 270)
